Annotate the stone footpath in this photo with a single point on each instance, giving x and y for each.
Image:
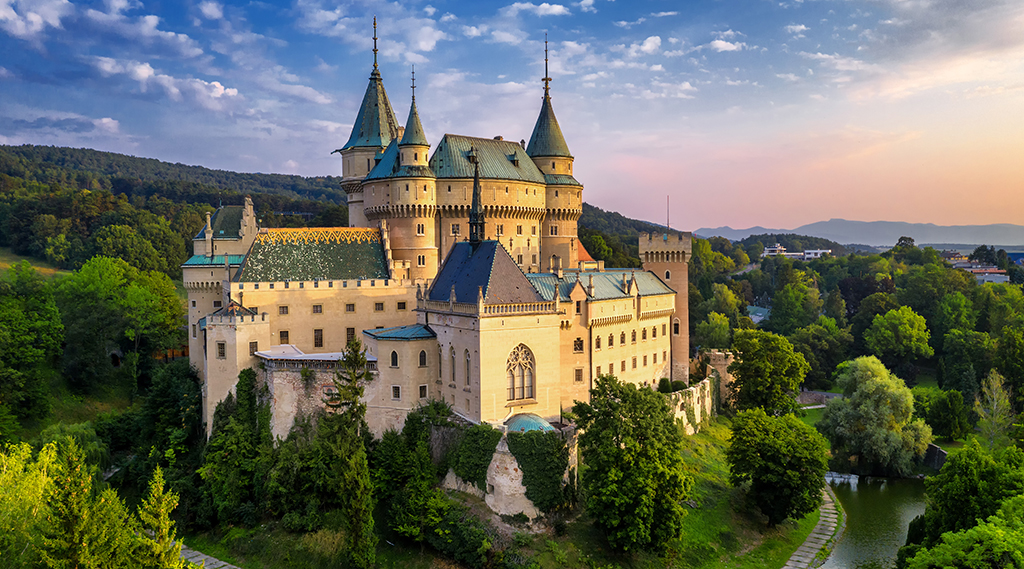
(805, 555)
(202, 560)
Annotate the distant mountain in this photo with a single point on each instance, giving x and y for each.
(886, 233)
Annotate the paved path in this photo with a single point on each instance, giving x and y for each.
(193, 556)
(805, 555)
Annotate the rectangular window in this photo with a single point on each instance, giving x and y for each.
(253, 348)
(519, 259)
(257, 286)
(577, 345)
(287, 284)
(420, 230)
(554, 230)
(302, 285)
(282, 310)
(255, 309)
(533, 229)
(193, 330)
(221, 351)
(350, 308)
(217, 304)
(396, 392)
(271, 285)
(579, 307)
(662, 329)
(534, 259)
(598, 373)
(193, 304)
(645, 361)
(378, 307)
(578, 376)
(350, 333)
(519, 230)
(401, 306)
(421, 261)
(655, 357)
(622, 365)
(634, 362)
(455, 229)
(284, 336)
(316, 284)
(423, 392)
(664, 356)
(318, 338)
(318, 309)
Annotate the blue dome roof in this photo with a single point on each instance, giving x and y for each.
(527, 422)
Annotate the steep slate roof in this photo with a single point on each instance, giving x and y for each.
(486, 265)
(234, 309)
(316, 253)
(499, 159)
(547, 139)
(376, 125)
(413, 129)
(388, 167)
(403, 333)
(607, 284)
(226, 222)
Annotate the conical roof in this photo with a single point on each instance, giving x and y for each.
(547, 139)
(413, 129)
(375, 125)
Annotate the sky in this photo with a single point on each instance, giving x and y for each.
(739, 113)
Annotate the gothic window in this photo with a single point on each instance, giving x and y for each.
(577, 345)
(634, 336)
(469, 373)
(668, 275)
(597, 344)
(440, 360)
(423, 358)
(453, 366)
(643, 334)
(394, 359)
(611, 340)
(622, 338)
(520, 370)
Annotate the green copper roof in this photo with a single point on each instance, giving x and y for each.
(499, 160)
(388, 167)
(561, 180)
(315, 253)
(547, 139)
(215, 261)
(607, 284)
(375, 125)
(402, 333)
(413, 129)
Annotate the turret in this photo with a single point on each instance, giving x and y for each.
(547, 146)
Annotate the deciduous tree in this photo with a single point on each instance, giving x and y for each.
(898, 337)
(767, 372)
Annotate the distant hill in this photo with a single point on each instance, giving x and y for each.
(795, 243)
(32, 162)
(886, 233)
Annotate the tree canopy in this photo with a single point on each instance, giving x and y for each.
(767, 372)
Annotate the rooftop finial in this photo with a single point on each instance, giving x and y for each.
(375, 43)
(414, 84)
(546, 79)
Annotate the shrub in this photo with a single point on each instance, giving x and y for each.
(543, 456)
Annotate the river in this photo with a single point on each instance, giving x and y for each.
(878, 511)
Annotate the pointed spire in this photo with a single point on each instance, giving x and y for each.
(414, 134)
(375, 125)
(476, 212)
(547, 139)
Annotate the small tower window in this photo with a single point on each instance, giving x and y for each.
(668, 275)
(394, 359)
(415, 156)
(552, 165)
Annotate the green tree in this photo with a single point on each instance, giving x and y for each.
(1009, 359)
(835, 307)
(23, 508)
(872, 305)
(767, 372)
(713, 332)
(955, 312)
(995, 544)
(794, 306)
(966, 356)
(947, 416)
(784, 461)
(633, 480)
(995, 415)
(159, 548)
(874, 419)
(824, 344)
(898, 337)
(123, 242)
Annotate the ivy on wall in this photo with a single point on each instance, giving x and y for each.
(543, 456)
(472, 457)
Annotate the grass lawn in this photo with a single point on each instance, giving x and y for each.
(926, 378)
(69, 408)
(7, 258)
(812, 416)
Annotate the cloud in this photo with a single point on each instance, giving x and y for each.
(474, 31)
(544, 9)
(796, 30)
(210, 95)
(211, 10)
(839, 62)
(722, 45)
(514, 37)
(401, 37)
(787, 76)
(143, 28)
(5, 73)
(664, 14)
(662, 90)
(649, 46)
(429, 10)
(52, 123)
(27, 19)
(728, 34)
(587, 6)
(627, 25)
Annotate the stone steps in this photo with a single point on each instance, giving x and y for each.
(804, 556)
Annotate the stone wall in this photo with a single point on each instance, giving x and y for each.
(934, 457)
(693, 405)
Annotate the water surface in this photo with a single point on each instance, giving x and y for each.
(878, 512)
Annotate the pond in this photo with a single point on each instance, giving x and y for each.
(878, 512)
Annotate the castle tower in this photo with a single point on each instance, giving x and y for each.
(413, 200)
(564, 199)
(374, 129)
(666, 255)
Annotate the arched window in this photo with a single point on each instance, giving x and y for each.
(654, 331)
(643, 334)
(469, 373)
(622, 338)
(668, 275)
(633, 336)
(675, 327)
(423, 358)
(520, 370)
(597, 343)
(440, 360)
(452, 357)
(394, 359)
(611, 340)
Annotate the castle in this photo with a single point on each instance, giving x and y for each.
(461, 273)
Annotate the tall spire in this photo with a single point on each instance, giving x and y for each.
(414, 134)
(547, 77)
(547, 139)
(375, 43)
(476, 212)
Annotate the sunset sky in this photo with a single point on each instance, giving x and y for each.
(751, 112)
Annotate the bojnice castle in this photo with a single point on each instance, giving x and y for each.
(461, 272)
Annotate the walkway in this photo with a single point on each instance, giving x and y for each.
(805, 555)
(202, 560)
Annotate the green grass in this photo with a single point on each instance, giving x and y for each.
(69, 408)
(812, 416)
(8, 258)
(926, 378)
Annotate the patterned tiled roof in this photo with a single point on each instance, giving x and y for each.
(499, 159)
(316, 253)
(376, 125)
(547, 139)
(405, 333)
(607, 284)
(486, 265)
